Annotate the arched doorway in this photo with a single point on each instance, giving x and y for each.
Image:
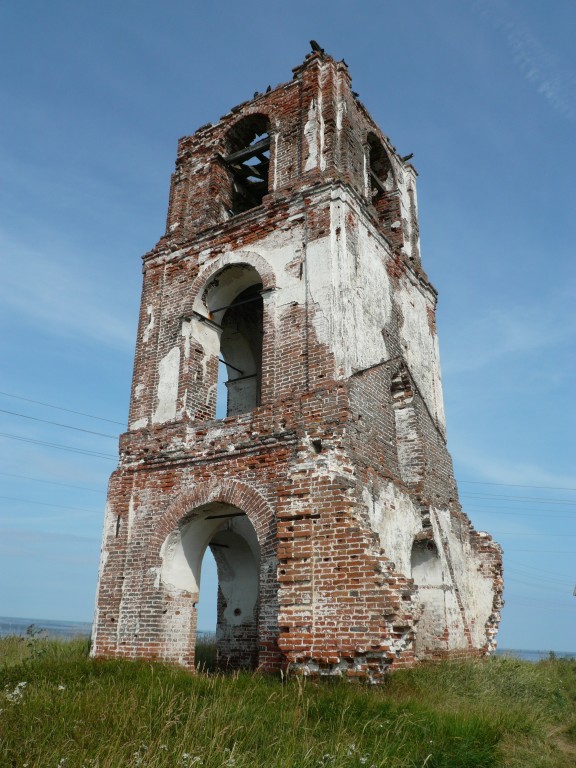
(231, 537)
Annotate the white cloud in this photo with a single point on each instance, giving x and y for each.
(512, 330)
(540, 66)
(543, 70)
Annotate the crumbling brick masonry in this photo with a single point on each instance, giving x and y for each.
(327, 493)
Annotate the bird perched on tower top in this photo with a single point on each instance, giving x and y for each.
(315, 47)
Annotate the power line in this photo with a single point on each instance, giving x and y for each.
(57, 424)
(527, 514)
(556, 592)
(538, 578)
(46, 504)
(518, 485)
(51, 482)
(482, 504)
(59, 408)
(546, 551)
(534, 568)
(542, 535)
(566, 587)
(519, 498)
(544, 602)
(546, 582)
(59, 447)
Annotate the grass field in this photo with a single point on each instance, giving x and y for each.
(59, 708)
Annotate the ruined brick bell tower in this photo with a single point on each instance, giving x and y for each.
(326, 494)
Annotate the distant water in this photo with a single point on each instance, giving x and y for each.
(515, 653)
(69, 629)
(63, 629)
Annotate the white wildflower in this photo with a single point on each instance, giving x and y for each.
(17, 693)
(189, 759)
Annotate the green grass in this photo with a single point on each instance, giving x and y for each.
(75, 711)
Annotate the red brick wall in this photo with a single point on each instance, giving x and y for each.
(330, 599)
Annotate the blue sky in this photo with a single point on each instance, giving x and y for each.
(94, 97)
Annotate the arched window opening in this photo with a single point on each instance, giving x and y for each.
(429, 580)
(248, 161)
(426, 564)
(381, 176)
(241, 350)
(233, 303)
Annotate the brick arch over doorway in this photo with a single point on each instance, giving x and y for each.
(226, 491)
(181, 512)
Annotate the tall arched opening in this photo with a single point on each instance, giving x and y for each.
(231, 537)
(241, 350)
(248, 162)
(234, 303)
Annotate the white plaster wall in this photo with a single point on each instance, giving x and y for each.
(350, 297)
(353, 297)
(167, 392)
(182, 554)
(314, 128)
(420, 345)
(183, 551)
(396, 521)
(408, 208)
(208, 337)
(476, 589)
(312, 131)
(131, 517)
(238, 572)
(149, 325)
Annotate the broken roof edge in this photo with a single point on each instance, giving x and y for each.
(309, 60)
(315, 58)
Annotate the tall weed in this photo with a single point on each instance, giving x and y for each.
(62, 709)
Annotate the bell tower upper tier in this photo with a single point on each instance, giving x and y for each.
(303, 133)
(291, 256)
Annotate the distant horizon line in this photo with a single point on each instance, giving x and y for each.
(38, 622)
